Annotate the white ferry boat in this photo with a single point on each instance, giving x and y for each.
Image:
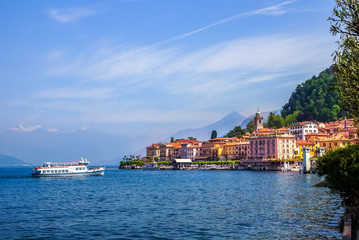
(67, 169)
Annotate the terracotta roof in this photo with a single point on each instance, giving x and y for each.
(154, 145)
(303, 142)
(181, 141)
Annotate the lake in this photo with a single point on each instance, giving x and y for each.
(136, 204)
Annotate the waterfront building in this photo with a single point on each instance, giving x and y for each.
(170, 151)
(302, 129)
(182, 164)
(272, 146)
(305, 144)
(153, 150)
(190, 150)
(258, 121)
(236, 150)
(166, 151)
(213, 148)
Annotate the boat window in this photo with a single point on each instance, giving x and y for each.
(67, 170)
(52, 171)
(77, 168)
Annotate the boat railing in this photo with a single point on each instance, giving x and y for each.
(59, 164)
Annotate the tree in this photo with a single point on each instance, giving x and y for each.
(250, 126)
(236, 132)
(214, 134)
(275, 121)
(191, 138)
(291, 118)
(172, 139)
(341, 171)
(345, 22)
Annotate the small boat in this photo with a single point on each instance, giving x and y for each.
(67, 169)
(152, 166)
(296, 169)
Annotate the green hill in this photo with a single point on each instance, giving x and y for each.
(9, 161)
(315, 99)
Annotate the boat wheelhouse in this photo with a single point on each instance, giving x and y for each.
(66, 169)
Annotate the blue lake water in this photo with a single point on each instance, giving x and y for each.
(130, 204)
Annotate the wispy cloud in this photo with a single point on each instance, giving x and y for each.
(69, 14)
(21, 128)
(75, 93)
(274, 10)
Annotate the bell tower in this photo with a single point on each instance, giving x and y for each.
(258, 121)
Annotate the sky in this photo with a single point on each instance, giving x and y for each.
(154, 66)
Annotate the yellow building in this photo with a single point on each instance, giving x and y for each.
(334, 142)
(236, 150)
(308, 144)
(217, 152)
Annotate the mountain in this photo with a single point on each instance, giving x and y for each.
(204, 133)
(7, 161)
(41, 145)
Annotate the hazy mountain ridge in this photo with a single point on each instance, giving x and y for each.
(41, 145)
(222, 126)
(9, 161)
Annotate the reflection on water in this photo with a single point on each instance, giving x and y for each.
(167, 205)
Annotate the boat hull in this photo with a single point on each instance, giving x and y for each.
(97, 173)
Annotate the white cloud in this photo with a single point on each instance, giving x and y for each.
(69, 14)
(83, 128)
(21, 128)
(53, 130)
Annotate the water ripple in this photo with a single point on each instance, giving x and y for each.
(167, 205)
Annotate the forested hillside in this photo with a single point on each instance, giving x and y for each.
(315, 99)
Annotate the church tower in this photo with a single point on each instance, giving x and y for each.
(258, 121)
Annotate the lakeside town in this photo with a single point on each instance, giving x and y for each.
(281, 149)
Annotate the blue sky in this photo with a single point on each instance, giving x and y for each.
(154, 66)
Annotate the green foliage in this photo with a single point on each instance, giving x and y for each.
(250, 126)
(156, 159)
(291, 118)
(132, 163)
(191, 138)
(132, 158)
(345, 22)
(341, 171)
(214, 134)
(236, 132)
(275, 121)
(315, 99)
(172, 139)
(167, 163)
